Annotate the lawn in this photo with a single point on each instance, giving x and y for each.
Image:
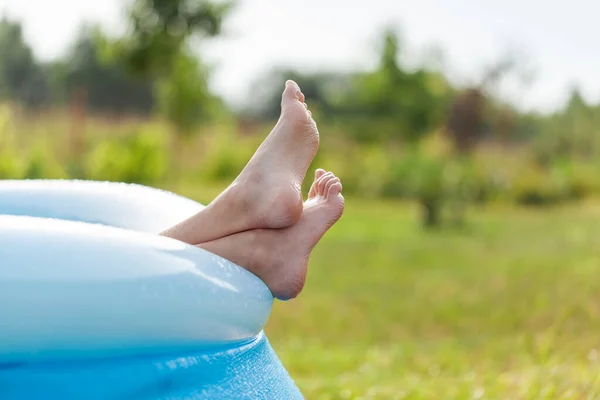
(506, 307)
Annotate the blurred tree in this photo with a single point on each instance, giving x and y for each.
(21, 77)
(160, 30)
(572, 132)
(413, 102)
(466, 121)
(390, 102)
(477, 114)
(56, 73)
(157, 47)
(106, 84)
(184, 96)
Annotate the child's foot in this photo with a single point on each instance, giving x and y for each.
(280, 256)
(267, 193)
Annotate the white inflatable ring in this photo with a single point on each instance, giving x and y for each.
(108, 284)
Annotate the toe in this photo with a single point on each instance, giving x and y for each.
(330, 183)
(323, 181)
(334, 190)
(315, 185)
(292, 92)
(294, 108)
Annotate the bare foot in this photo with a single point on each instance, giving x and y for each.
(267, 193)
(280, 256)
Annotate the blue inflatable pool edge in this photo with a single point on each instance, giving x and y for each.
(94, 304)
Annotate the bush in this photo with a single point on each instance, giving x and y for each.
(227, 155)
(580, 179)
(533, 186)
(42, 164)
(138, 158)
(374, 173)
(11, 166)
(437, 182)
(428, 171)
(402, 168)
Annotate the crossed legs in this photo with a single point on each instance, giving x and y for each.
(260, 222)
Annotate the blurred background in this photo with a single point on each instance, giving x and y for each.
(466, 134)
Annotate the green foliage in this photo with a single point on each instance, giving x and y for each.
(583, 180)
(138, 158)
(11, 166)
(413, 101)
(533, 186)
(157, 47)
(183, 95)
(105, 84)
(21, 78)
(389, 103)
(226, 156)
(379, 124)
(426, 172)
(443, 186)
(161, 28)
(98, 72)
(42, 164)
(572, 132)
(373, 173)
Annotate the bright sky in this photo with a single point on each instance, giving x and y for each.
(558, 38)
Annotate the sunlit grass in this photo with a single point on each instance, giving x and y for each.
(506, 307)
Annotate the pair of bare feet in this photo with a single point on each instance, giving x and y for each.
(260, 222)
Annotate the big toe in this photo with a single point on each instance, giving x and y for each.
(292, 92)
(292, 103)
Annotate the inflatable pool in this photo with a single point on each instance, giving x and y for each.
(95, 305)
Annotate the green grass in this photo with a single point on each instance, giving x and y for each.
(506, 307)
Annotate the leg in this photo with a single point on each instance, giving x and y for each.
(267, 193)
(280, 256)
